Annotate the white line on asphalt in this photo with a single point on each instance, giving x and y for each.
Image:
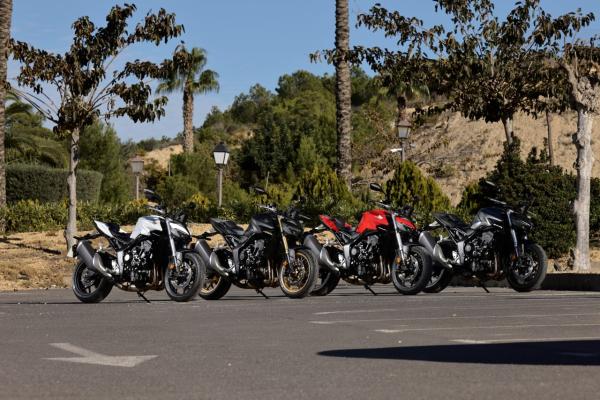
(388, 330)
(355, 311)
(455, 317)
(90, 357)
(518, 340)
(496, 327)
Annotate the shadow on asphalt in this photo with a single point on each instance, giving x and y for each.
(580, 352)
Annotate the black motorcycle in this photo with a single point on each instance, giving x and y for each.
(155, 255)
(493, 247)
(269, 253)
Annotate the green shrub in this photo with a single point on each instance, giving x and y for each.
(322, 192)
(176, 190)
(409, 186)
(32, 215)
(35, 182)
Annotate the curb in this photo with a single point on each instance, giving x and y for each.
(557, 281)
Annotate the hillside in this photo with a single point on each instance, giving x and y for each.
(457, 151)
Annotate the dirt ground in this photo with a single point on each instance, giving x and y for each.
(37, 260)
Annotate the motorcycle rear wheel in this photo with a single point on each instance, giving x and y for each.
(215, 287)
(298, 280)
(413, 277)
(326, 282)
(89, 286)
(440, 279)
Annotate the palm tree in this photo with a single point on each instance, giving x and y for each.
(191, 78)
(343, 92)
(5, 18)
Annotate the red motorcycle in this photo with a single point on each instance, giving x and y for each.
(383, 248)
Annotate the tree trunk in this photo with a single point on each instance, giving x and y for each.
(508, 129)
(343, 93)
(585, 160)
(188, 121)
(550, 138)
(5, 19)
(71, 228)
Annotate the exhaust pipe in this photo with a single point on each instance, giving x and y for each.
(91, 258)
(210, 258)
(320, 253)
(432, 247)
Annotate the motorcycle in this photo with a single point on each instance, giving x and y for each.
(154, 256)
(493, 247)
(383, 248)
(269, 253)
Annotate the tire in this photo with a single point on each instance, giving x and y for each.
(440, 279)
(89, 286)
(184, 285)
(534, 258)
(303, 281)
(214, 287)
(420, 265)
(326, 282)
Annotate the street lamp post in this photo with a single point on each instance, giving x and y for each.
(404, 128)
(221, 155)
(137, 167)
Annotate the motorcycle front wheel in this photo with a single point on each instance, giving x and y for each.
(528, 273)
(182, 284)
(412, 276)
(89, 286)
(297, 280)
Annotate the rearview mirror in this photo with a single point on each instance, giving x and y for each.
(152, 196)
(260, 191)
(375, 187)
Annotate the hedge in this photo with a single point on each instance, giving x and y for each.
(34, 216)
(36, 182)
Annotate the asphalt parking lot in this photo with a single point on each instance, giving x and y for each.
(462, 343)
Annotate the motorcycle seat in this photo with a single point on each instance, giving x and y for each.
(453, 222)
(113, 230)
(226, 227)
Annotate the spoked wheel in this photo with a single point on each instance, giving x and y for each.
(215, 287)
(183, 283)
(412, 276)
(327, 280)
(298, 279)
(89, 286)
(440, 279)
(529, 271)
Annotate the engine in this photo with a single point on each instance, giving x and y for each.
(253, 262)
(480, 252)
(365, 256)
(137, 264)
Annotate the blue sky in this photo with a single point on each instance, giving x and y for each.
(247, 41)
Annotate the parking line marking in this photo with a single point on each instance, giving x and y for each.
(497, 327)
(464, 317)
(355, 311)
(518, 340)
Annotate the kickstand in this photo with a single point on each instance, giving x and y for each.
(261, 293)
(370, 290)
(143, 297)
(483, 286)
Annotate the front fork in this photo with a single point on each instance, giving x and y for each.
(400, 251)
(513, 235)
(175, 258)
(286, 247)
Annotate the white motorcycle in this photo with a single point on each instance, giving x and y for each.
(154, 256)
